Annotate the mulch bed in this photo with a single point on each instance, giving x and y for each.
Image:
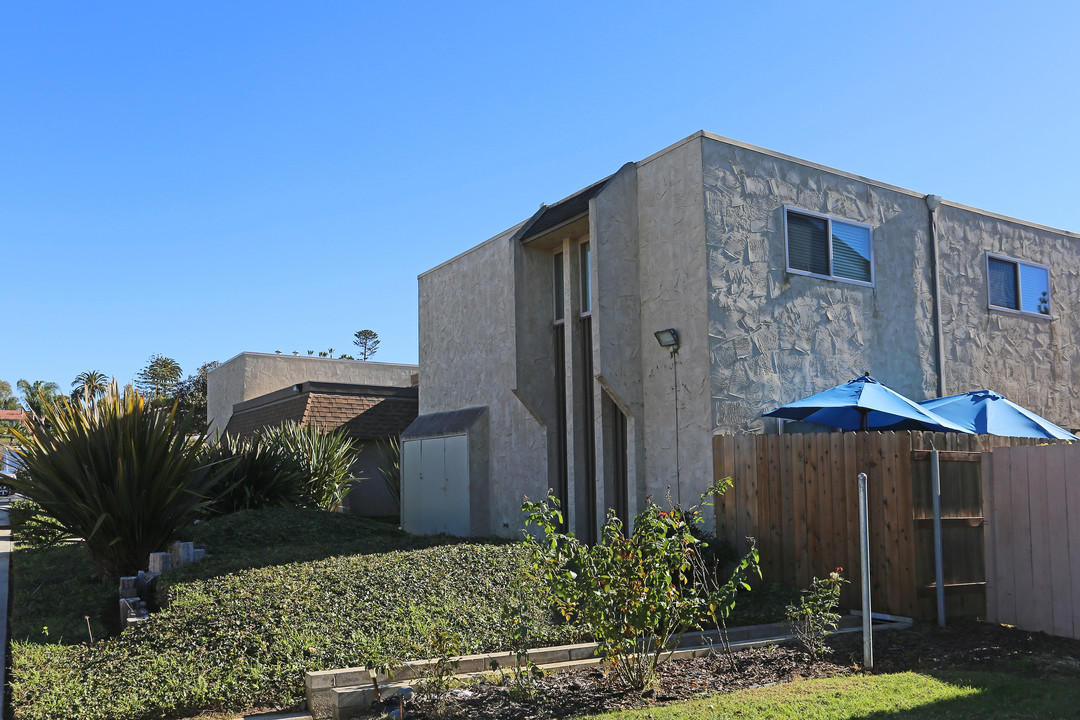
(961, 646)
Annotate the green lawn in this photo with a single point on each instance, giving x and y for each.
(901, 696)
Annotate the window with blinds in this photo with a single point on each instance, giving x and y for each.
(1017, 286)
(826, 247)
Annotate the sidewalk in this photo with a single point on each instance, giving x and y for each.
(5, 561)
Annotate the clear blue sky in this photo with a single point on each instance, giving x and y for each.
(199, 179)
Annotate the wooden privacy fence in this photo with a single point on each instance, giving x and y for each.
(1032, 506)
(796, 494)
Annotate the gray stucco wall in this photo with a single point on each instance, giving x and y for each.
(249, 375)
(777, 336)
(467, 359)
(369, 496)
(613, 229)
(673, 289)
(1030, 360)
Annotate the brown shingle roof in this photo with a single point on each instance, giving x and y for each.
(366, 412)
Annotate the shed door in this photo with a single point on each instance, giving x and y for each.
(436, 485)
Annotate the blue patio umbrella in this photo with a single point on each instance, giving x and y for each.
(864, 404)
(985, 411)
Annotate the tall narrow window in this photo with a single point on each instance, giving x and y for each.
(586, 278)
(1018, 286)
(557, 285)
(826, 247)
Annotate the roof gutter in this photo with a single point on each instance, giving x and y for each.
(932, 204)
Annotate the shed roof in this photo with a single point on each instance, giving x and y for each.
(454, 422)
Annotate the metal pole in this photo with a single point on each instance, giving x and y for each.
(864, 552)
(939, 568)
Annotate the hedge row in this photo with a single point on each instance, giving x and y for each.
(245, 640)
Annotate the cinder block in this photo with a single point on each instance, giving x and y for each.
(160, 562)
(583, 651)
(353, 698)
(351, 676)
(181, 553)
(319, 679)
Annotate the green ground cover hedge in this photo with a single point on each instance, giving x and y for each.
(232, 641)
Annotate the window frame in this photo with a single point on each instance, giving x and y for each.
(558, 278)
(828, 231)
(1016, 262)
(584, 279)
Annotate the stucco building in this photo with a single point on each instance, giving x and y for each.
(782, 277)
(369, 401)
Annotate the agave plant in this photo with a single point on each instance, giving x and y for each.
(326, 458)
(118, 474)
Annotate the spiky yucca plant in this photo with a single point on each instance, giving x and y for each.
(255, 475)
(119, 474)
(326, 457)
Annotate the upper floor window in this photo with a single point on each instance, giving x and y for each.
(826, 247)
(1017, 286)
(557, 287)
(586, 278)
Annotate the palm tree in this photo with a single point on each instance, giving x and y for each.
(38, 394)
(89, 386)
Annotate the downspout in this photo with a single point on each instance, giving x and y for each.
(932, 204)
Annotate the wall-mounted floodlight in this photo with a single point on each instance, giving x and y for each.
(668, 338)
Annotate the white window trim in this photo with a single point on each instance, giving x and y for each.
(1026, 313)
(829, 220)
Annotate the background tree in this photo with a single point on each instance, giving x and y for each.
(37, 395)
(368, 342)
(191, 397)
(7, 402)
(159, 378)
(7, 398)
(89, 385)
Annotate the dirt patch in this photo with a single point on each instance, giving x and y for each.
(962, 646)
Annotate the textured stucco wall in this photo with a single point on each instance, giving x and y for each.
(467, 359)
(249, 375)
(613, 222)
(1030, 360)
(673, 289)
(775, 336)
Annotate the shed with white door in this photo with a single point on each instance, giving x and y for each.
(444, 458)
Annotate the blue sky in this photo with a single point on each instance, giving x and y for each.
(198, 179)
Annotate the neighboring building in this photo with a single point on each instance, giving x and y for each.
(250, 375)
(367, 413)
(782, 277)
(7, 457)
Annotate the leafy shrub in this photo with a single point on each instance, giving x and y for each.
(634, 595)
(244, 640)
(815, 616)
(32, 527)
(119, 474)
